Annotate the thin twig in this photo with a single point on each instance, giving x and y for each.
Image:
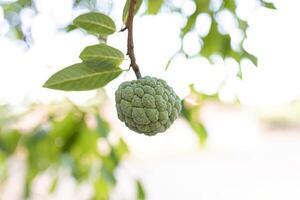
(102, 39)
(123, 29)
(130, 46)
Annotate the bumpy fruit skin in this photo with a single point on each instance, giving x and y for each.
(147, 105)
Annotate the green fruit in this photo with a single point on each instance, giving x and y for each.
(147, 105)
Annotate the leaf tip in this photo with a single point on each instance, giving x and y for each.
(46, 84)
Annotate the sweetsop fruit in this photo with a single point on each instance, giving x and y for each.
(147, 105)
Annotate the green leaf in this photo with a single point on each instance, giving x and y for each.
(3, 167)
(53, 185)
(201, 7)
(140, 192)
(86, 143)
(71, 27)
(108, 162)
(81, 169)
(101, 189)
(189, 24)
(200, 130)
(169, 63)
(126, 9)
(238, 56)
(121, 149)
(215, 43)
(102, 127)
(32, 172)
(79, 77)
(191, 115)
(101, 54)
(40, 157)
(64, 132)
(154, 6)
(96, 23)
(268, 5)
(9, 141)
(242, 55)
(2, 157)
(108, 175)
(84, 153)
(250, 57)
(230, 5)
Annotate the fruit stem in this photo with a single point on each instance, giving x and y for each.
(130, 45)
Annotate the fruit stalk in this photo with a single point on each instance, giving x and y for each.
(130, 44)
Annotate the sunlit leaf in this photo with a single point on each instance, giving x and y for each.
(126, 9)
(230, 5)
(71, 27)
(101, 54)
(81, 170)
(101, 189)
(200, 130)
(215, 43)
(53, 185)
(154, 6)
(79, 77)
(201, 7)
(121, 148)
(250, 57)
(140, 192)
(2, 157)
(96, 23)
(65, 132)
(85, 144)
(3, 166)
(30, 175)
(109, 162)
(9, 141)
(84, 153)
(191, 116)
(189, 24)
(268, 5)
(40, 155)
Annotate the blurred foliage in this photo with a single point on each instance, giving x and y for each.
(70, 138)
(140, 191)
(217, 41)
(191, 109)
(153, 6)
(66, 139)
(11, 11)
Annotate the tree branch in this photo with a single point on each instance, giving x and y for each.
(130, 46)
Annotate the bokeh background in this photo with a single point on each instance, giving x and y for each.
(239, 135)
